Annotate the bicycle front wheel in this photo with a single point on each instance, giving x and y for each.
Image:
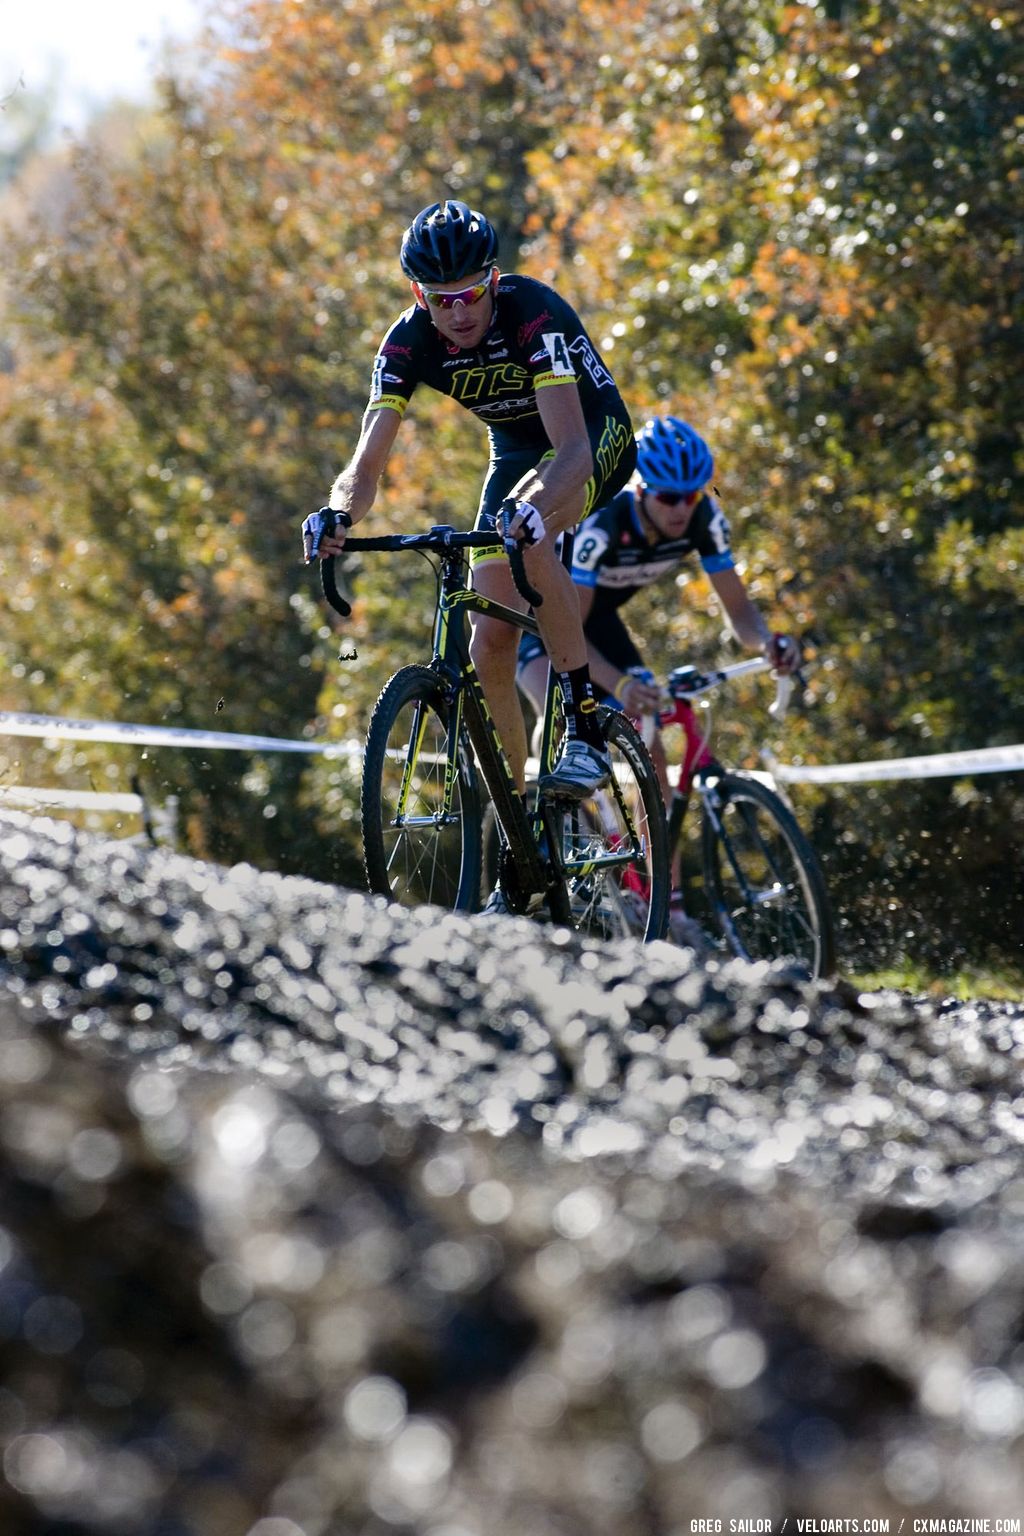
(420, 798)
(614, 849)
(762, 877)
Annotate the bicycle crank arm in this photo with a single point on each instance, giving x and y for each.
(605, 860)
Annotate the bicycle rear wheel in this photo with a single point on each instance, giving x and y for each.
(613, 846)
(421, 824)
(762, 878)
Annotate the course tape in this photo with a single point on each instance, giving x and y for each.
(937, 766)
(73, 799)
(53, 728)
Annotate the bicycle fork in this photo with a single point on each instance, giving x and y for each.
(713, 804)
(414, 757)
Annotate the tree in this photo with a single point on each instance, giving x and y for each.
(797, 224)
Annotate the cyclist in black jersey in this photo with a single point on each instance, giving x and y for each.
(642, 534)
(513, 352)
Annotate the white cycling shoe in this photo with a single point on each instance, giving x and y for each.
(579, 771)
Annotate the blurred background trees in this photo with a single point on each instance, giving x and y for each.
(798, 225)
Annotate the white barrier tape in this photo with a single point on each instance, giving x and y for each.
(938, 766)
(74, 800)
(52, 728)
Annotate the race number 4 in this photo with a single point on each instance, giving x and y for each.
(558, 352)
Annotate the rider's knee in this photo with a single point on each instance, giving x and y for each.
(543, 561)
(493, 644)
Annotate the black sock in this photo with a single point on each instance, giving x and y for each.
(580, 707)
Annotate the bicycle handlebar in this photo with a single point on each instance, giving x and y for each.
(514, 550)
(689, 683)
(437, 539)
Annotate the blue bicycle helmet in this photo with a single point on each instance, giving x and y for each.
(447, 241)
(671, 456)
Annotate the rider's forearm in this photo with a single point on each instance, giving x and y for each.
(748, 625)
(742, 613)
(355, 489)
(354, 492)
(752, 631)
(560, 480)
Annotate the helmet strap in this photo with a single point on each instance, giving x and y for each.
(641, 502)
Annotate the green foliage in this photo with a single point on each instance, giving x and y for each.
(798, 224)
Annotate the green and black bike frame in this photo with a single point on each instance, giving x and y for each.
(522, 827)
(453, 664)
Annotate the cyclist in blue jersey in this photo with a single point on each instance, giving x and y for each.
(513, 352)
(642, 534)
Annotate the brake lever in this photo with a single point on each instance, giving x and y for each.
(785, 682)
(514, 550)
(783, 693)
(328, 576)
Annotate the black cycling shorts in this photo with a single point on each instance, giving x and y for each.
(614, 451)
(607, 633)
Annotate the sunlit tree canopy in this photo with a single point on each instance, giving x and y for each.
(799, 225)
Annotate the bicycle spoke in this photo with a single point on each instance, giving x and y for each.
(763, 879)
(421, 829)
(612, 848)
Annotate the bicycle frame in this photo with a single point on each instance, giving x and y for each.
(452, 661)
(699, 768)
(522, 827)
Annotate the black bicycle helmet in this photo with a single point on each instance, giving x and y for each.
(447, 241)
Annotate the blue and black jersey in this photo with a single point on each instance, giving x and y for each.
(612, 557)
(612, 554)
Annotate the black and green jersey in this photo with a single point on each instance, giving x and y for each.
(535, 341)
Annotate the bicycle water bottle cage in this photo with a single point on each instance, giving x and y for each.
(683, 681)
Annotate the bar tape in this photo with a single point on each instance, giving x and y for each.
(937, 766)
(52, 728)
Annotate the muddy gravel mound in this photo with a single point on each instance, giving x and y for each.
(323, 1217)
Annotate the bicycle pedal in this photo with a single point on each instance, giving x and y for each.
(565, 798)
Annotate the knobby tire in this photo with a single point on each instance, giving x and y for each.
(785, 913)
(435, 862)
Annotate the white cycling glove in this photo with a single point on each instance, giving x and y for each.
(312, 532)
(326, 520)
(531, 522)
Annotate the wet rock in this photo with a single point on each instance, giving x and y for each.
(323, 1217)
